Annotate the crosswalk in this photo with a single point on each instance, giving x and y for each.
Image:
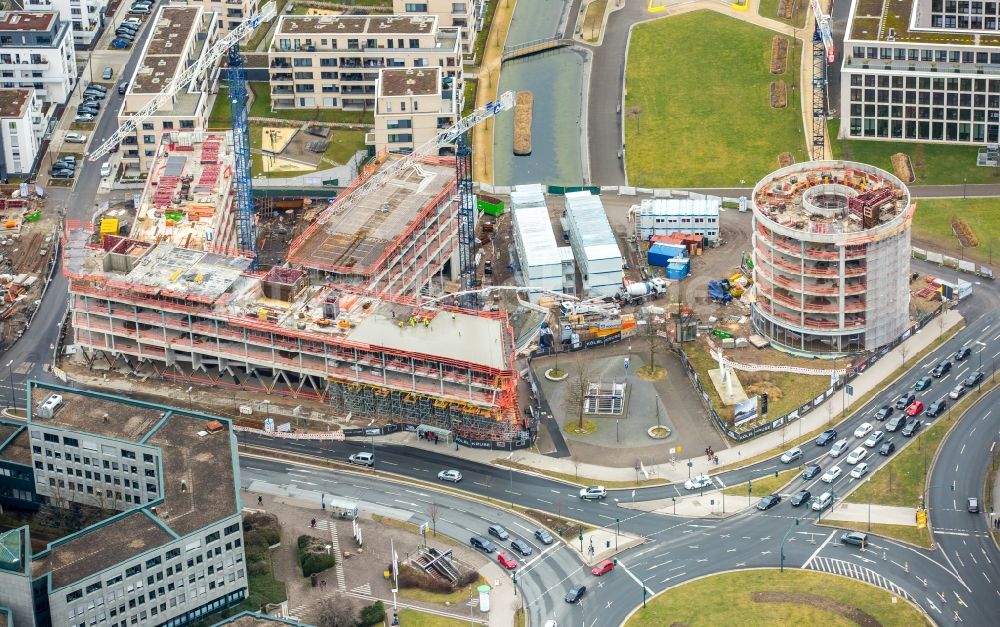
(365, 589)
(849, 569)
(338, 566)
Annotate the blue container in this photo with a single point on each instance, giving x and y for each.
(657, 259)
(678, 269)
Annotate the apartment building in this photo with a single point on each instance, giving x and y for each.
(230, 13)
(86, 16)
(411, 107)
(20, 122)
(926, 70)
(467, 15)
(334, 61)
(169, 549)
(178, 37)
(36, 52)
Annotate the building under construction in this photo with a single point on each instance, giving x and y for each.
(831, 250)
(342, 326)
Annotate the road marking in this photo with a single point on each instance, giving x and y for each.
(703, 526)
(818, 549)
(951, 533)
(660, 564)
(721, 482)
(514, 493)
(934, 607)
(544, 501)
(673, 577)
(390, 463)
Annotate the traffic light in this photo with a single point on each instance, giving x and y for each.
(615, 561)
(763, 403)
(775, 474)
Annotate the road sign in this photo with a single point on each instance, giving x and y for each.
(921, 519)
(850, 390)
(626, 363)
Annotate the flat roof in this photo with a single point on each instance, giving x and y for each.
(347, 25)
(534, 228)
(18, 450)
(679, 206)
(587, 217)
(171, 269)
(887, 22)
(203, 461)
(25, 21)
(351, 237)
(165, 48)
(410, 82)
(14, 102)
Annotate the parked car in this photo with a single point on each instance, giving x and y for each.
(958, 391)
(94, 93)
(894, 424)
(98, 87)
(923, 383)
(915, 409)
(593, 492)
(874, 439)
(937, 407)
(603, 568)
(822, 502)
(75, 138)
(125, 35)
(791, 455)
(911, 428)
(120, 44)
(107, 73)
(506, 560)
(884, 412)
(943, 368)
(888, 448)
(364, 458)
(860, 470)
(498, 532)
(811, 471)
(863, 429)
(857, 455)
(800, 498)
(699, 482)
(70, 159)
(831, 475)
(973, 505)
(973, 379)
(133, 20)
(768, 502)
(838, 448)
(543, 536)
(575, 594)
(86, 109)
(856, 538)
(106, 171)
(481, 543)
(521, 546)
(62, 174)
(905, 399)
(826, 437)
(445, 475)
(962, 353)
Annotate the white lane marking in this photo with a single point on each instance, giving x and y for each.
(818, 549)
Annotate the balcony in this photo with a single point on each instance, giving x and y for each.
(281, 77)
(282, 103)
(282, 62)
(282, 91)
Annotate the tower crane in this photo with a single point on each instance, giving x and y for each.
(825, 31)
(822, 46)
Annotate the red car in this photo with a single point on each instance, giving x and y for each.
(506, 560)
(604, 567)
(915, 408)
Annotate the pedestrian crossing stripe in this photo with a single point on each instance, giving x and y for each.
(854, 571)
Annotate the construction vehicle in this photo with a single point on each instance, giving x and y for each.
(641, 291)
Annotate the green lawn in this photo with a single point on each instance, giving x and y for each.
(414, 618)
(343, 144)
(794, 597)
(932, 221)
(933, 164)
(261, 108)
(594, 19)
(697, 113)
(769, 9)
(766, 484)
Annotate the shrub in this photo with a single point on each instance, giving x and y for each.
(467, 579)
(372, 614)
(261, 527)
(410, 577)
(313, 557)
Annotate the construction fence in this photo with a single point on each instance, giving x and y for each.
(522, 439)
(968, 267)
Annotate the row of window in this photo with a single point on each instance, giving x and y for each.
(937, 83)
(709, 220)
(973, 7)
(934, 131)
(963, 23)
(307, 45)
(384, 63)
(925, 55)
(938, 99)
(168, 125)
(72, 442)
(925, 113)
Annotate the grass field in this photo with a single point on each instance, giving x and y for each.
(766, 484)
(932, 222)
(933, 164)
(414, 618)
(593, 20)
(769, 9)
(455, 597)
(261, 108)
(684, 129)
(793, 598)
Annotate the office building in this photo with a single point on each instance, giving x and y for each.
(230, 13)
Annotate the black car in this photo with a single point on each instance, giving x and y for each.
(768, 502)
(800, 498)
(521, 546)
(575, 594)
(905, 399)
(122, 87)
(941, 369)
(826, 437)
(962, 353)
(498, 532)
(895, 423)
(911, 428)
(856, 538)
(973, 379)
(936, 408)
(887, 448)
(884, 413)
(543, 536)
(811, 471)
(973, 505)
(481, 543)
(62, 174)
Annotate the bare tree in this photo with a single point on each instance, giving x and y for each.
(488, 481)
(576, 399)
(903, 350)
(559, 506)
(576, 465)
(433, 511)
(636, 113)
(653, 340)
(337, 610)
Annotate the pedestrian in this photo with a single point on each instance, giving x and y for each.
(260, 500)
(456, 445)
(312, 523)
(322, 584)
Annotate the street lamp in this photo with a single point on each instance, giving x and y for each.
(618, 529)
(190, 404)
(781, 566)
(869, 482)
(11, 372)
(980, 369)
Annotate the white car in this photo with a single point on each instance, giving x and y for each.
(791, 455)
(874, 439)
(860, 470)
(697, 483)
(105, 169)
(863, 430)
(450, 475)
(76, 138)
(593, 492)
(838, 447)
(831, 475)
(857, 455)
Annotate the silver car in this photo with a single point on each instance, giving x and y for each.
(450, 475)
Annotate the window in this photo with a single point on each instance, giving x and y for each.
(49, 437)
(187, 123)
(146, 457)
(133, 570)
(172, 553)
(128, 454)
(415, 7)
(212, 537)
(167, 126)
(94, 587)
(153, 562)
(71, 442)
(147, 126)
(73, 596)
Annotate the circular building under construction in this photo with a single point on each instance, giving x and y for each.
(831, 251)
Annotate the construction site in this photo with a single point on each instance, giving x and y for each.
(831, 257)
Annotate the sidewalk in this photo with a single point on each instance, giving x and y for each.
(678, 473)
(876, 514)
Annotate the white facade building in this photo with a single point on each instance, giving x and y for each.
(540, 260)
(664, 216)
(36, 52)
(20, 119)
(86, 16)
(465, 14)
(412, 106)
(597, 254)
